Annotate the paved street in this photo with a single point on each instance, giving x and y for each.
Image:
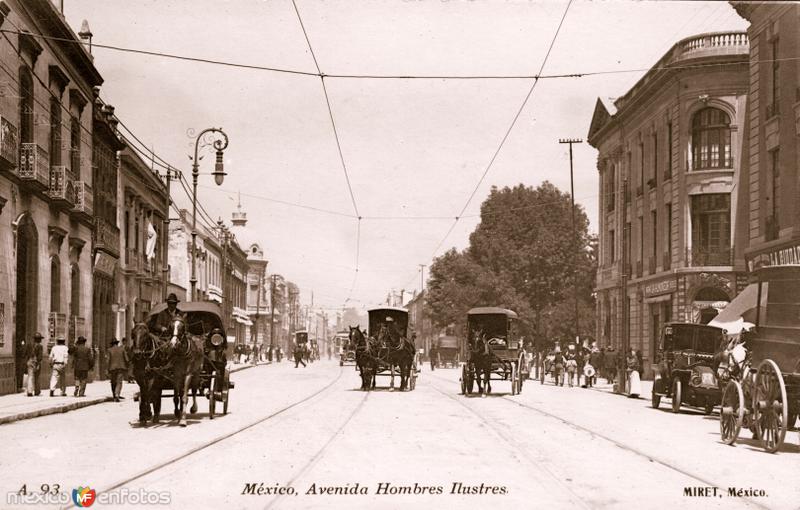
(311, 430)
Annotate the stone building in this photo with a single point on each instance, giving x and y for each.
(770, 178)
(47, 90)
(105, 250)
(140, 281)
(670, 153)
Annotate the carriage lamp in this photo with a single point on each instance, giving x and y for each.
(216, 339)
(219, 172)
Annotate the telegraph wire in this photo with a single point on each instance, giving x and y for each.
(508, 131)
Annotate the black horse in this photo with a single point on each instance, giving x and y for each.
(366, 357)
(398, 353)
(481, 357)
(186, 354)
(150, 360)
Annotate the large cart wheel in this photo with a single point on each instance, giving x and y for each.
(212, 394)
(677, 394)
(464, 379)
(520, 374)
(770, 406)
(226, 391)
(514, 380)
(731, 414)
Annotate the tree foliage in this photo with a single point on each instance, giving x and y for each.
(523, 255)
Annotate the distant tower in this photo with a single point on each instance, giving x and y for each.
(239, 218)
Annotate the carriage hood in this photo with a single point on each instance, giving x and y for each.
(399, 316)
(201, 317)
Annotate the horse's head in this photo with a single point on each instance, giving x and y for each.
(141, 338)
(178, 332)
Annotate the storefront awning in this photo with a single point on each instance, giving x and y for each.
(741, 310)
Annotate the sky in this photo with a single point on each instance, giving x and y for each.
(414, 150)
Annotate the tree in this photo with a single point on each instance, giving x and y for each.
(523, 256)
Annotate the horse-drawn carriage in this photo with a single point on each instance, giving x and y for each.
(495, 351)
(763, 391)
(345, 348)
(190, 354)
(447, 351)
(384, 347)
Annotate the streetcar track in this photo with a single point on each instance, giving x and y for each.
(223, 437)
(618, 444)
(318, 456)
(516, 447)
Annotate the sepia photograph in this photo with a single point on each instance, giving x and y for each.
(399, 254)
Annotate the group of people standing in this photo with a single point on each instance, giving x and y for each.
(83, 360)
(591, 362)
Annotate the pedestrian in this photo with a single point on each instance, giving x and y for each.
(59, 355)
(433, 354)
(298, 355)
(632, 369)
(34, 364)
(118, 362)
(255, 354)
(83, 361)
(596, 361)
(129, 352)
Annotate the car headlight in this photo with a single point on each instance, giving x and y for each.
(216, 340)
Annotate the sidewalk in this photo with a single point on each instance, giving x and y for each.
(19, 406)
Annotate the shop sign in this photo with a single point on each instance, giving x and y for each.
(662, 287)
(788, 255)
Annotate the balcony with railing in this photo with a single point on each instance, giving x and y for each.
(8, 144)
(710, 257)
(106, 237)
(62, 189)
(34, 169)
(84, 200)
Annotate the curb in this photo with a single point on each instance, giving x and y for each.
(72, 406)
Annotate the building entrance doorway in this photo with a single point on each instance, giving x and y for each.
(26, 292)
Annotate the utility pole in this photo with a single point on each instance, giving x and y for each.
(272, 315)
(625, 274)
(571, 141)
(165, 255)
(422, 304)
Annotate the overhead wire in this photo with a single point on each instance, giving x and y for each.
(508, 131)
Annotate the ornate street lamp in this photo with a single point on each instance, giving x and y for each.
(220, 144)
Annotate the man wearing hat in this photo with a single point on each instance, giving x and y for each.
(34, 364)
(117, 367)
(83, 359)
(166, 317)
(59, 355)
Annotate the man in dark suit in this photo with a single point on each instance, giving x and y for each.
(166, 317)
(34, 365)
(117, 367)
(83, 361)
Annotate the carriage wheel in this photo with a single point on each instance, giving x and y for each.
(226, 391)
(521, 379)
(769, 406)
(514, 377)
(677, 395)
(731, 414)
(212, 395)
(463, 379)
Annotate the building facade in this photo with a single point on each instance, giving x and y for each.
(106, 143)
(141, 281)
(670, 157)
(46, 109)
(770, 179)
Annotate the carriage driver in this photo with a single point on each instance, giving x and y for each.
(166, 317)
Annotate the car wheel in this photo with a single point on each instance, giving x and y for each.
(677, 395)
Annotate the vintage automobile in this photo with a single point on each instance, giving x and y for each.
(684, 370)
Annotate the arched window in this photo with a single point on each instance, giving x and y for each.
(711, 139)
(26, 105)
(55, 284)
(75, 291)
